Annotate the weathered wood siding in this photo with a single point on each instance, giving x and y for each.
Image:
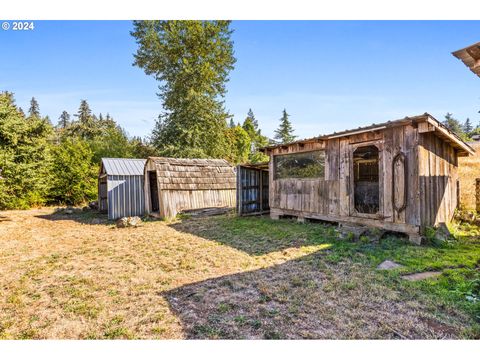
(417, 182)
(188, 184)
(438, 177)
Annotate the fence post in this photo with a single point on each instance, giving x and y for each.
(477, 195)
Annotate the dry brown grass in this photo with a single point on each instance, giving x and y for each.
(64, 277)
(469, 170)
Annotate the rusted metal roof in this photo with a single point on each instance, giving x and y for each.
(426, 117)
(470, 56)
(118, 166)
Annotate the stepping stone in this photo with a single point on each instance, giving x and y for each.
(421, 276)
(388, 265)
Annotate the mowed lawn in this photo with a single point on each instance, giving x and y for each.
(75, 277)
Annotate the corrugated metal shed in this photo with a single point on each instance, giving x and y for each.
(121, 187)
(470, 56)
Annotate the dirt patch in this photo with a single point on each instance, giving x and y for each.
(421, 276)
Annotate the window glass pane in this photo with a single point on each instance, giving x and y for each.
(300, 165)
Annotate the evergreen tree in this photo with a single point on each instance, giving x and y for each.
(231, 124)
(284, 133)
(86, 126)
(24, 157)
(64, 120)
(84, 113)
(453, 124)
(467, 127)
(34, 111)
(251, 116)
(192, 60)
(250, 125)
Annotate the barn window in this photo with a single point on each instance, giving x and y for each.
(366, 179)
(300, 165)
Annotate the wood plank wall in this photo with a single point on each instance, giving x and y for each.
(438, 177)
(428, 176)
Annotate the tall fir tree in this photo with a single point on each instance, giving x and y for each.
(192, 60)
(34, 110)
(63, 120)
(84, 113)
(467, 126)
(284, 133)
(85, 126)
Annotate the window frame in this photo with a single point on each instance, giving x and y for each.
(320, 177)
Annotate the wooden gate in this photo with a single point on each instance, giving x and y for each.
(252, 189)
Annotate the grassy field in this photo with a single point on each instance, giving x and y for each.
(468, 171)
(73, 276)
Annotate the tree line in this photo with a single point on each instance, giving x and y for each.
(45, 164)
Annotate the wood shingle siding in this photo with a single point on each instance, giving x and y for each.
(187, 184)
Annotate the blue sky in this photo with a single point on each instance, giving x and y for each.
(329, 75)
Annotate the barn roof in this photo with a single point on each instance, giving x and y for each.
(119, 166)
(440, 130)
(194, 174)
(470, 56)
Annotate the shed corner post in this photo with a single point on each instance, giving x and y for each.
(477, 195)
(239, 190)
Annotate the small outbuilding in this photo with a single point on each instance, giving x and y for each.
(174, 185)
(121, 187)
(399, 175)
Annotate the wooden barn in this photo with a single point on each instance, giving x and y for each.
(400, 176)
(120, 187)
(174, 185)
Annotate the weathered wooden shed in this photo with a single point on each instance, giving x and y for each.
(121, 187)
(399, 175)
(174, 185)
(470, 56)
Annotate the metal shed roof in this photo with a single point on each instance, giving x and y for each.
(116, 166)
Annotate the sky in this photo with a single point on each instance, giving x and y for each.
(328, 75)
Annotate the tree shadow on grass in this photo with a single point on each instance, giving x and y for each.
(303, 298)
(257, 235)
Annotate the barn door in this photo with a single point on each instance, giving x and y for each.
(154, 202)
(366, 180)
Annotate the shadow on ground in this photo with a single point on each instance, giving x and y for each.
(257, 236)
(89, 217)
(302, 298)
